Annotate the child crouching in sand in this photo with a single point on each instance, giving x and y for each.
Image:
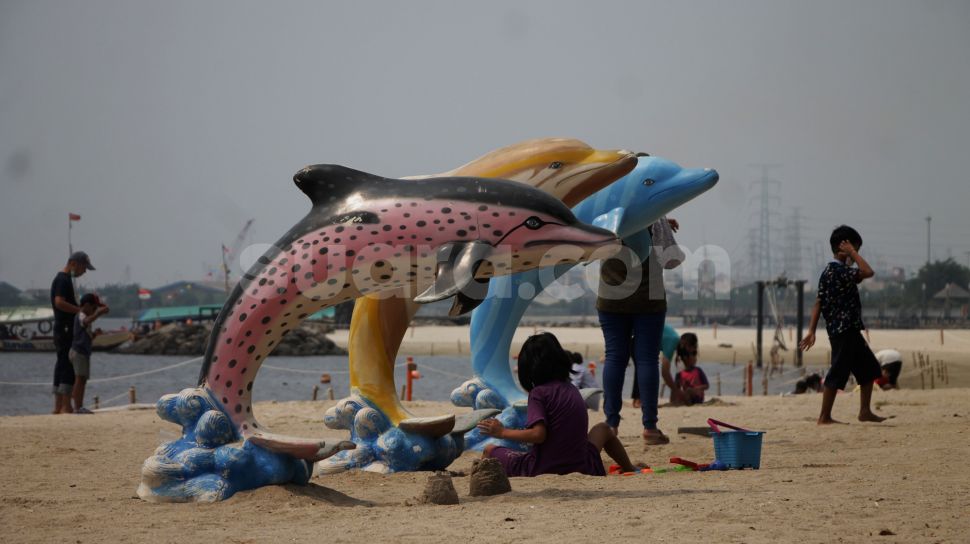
(691, 382)
(556, 420)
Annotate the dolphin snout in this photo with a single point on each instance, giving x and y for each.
(711, 176)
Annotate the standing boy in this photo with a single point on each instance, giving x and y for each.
(91, 309)
(838, 301)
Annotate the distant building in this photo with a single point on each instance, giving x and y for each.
(186, 293)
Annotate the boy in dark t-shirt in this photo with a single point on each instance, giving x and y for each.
(838, 301)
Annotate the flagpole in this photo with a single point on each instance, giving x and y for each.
(70, 246)
(225, 268)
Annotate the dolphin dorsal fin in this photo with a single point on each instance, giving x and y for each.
(327, 183)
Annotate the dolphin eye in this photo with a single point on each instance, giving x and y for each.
(533, 223)
(555, 165)
(648, 182)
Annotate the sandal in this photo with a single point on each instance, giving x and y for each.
(83, 410)
(655, 438)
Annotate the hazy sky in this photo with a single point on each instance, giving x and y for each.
(167, 125)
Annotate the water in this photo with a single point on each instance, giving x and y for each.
(280, 378)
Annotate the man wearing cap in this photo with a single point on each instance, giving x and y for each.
(65, 307)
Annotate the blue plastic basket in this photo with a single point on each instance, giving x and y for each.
(737, 449)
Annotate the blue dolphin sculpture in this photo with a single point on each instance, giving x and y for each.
(627, 207)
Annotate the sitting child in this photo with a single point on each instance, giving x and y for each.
(583, 378)
(691, 381)
(556, 420)
(812, 382)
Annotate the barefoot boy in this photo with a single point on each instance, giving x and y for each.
(838, 301)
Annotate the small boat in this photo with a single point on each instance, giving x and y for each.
(26, 328)
(108, 340)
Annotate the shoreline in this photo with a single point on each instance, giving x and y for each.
(726, 345)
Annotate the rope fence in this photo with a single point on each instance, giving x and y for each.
(116, 378)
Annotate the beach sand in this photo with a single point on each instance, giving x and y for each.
(73, 479)
(731, 344)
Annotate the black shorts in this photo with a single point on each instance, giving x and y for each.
(850, 353)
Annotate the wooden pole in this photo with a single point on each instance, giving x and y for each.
(734, 359)
(719, 384)
(941, 336)
(411, 368)
(761, 321)
(750, 373)
(324, 379)
(764, 385)
(800, 321)
(715, 330)
(459, 346)
(97, 402)
(403, 387)
(131, 395)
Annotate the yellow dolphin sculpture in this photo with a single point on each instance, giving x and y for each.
(568, 169)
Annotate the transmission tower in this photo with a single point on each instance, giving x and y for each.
(793, 244)
(768, 199)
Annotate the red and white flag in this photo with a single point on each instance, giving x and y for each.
(144, 294)
(73, 217)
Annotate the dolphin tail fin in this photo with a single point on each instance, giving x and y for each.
(432, 427)
(310, 449)
(469, 420)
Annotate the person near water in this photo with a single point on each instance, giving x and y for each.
(65, 307)
(80, 354)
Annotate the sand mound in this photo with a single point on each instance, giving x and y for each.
(439, 490)
(488, 478)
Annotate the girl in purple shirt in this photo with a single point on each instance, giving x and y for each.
(556, 420)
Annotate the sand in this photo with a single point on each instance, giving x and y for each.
(73, 479)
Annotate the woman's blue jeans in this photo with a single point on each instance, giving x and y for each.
(646, 331)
